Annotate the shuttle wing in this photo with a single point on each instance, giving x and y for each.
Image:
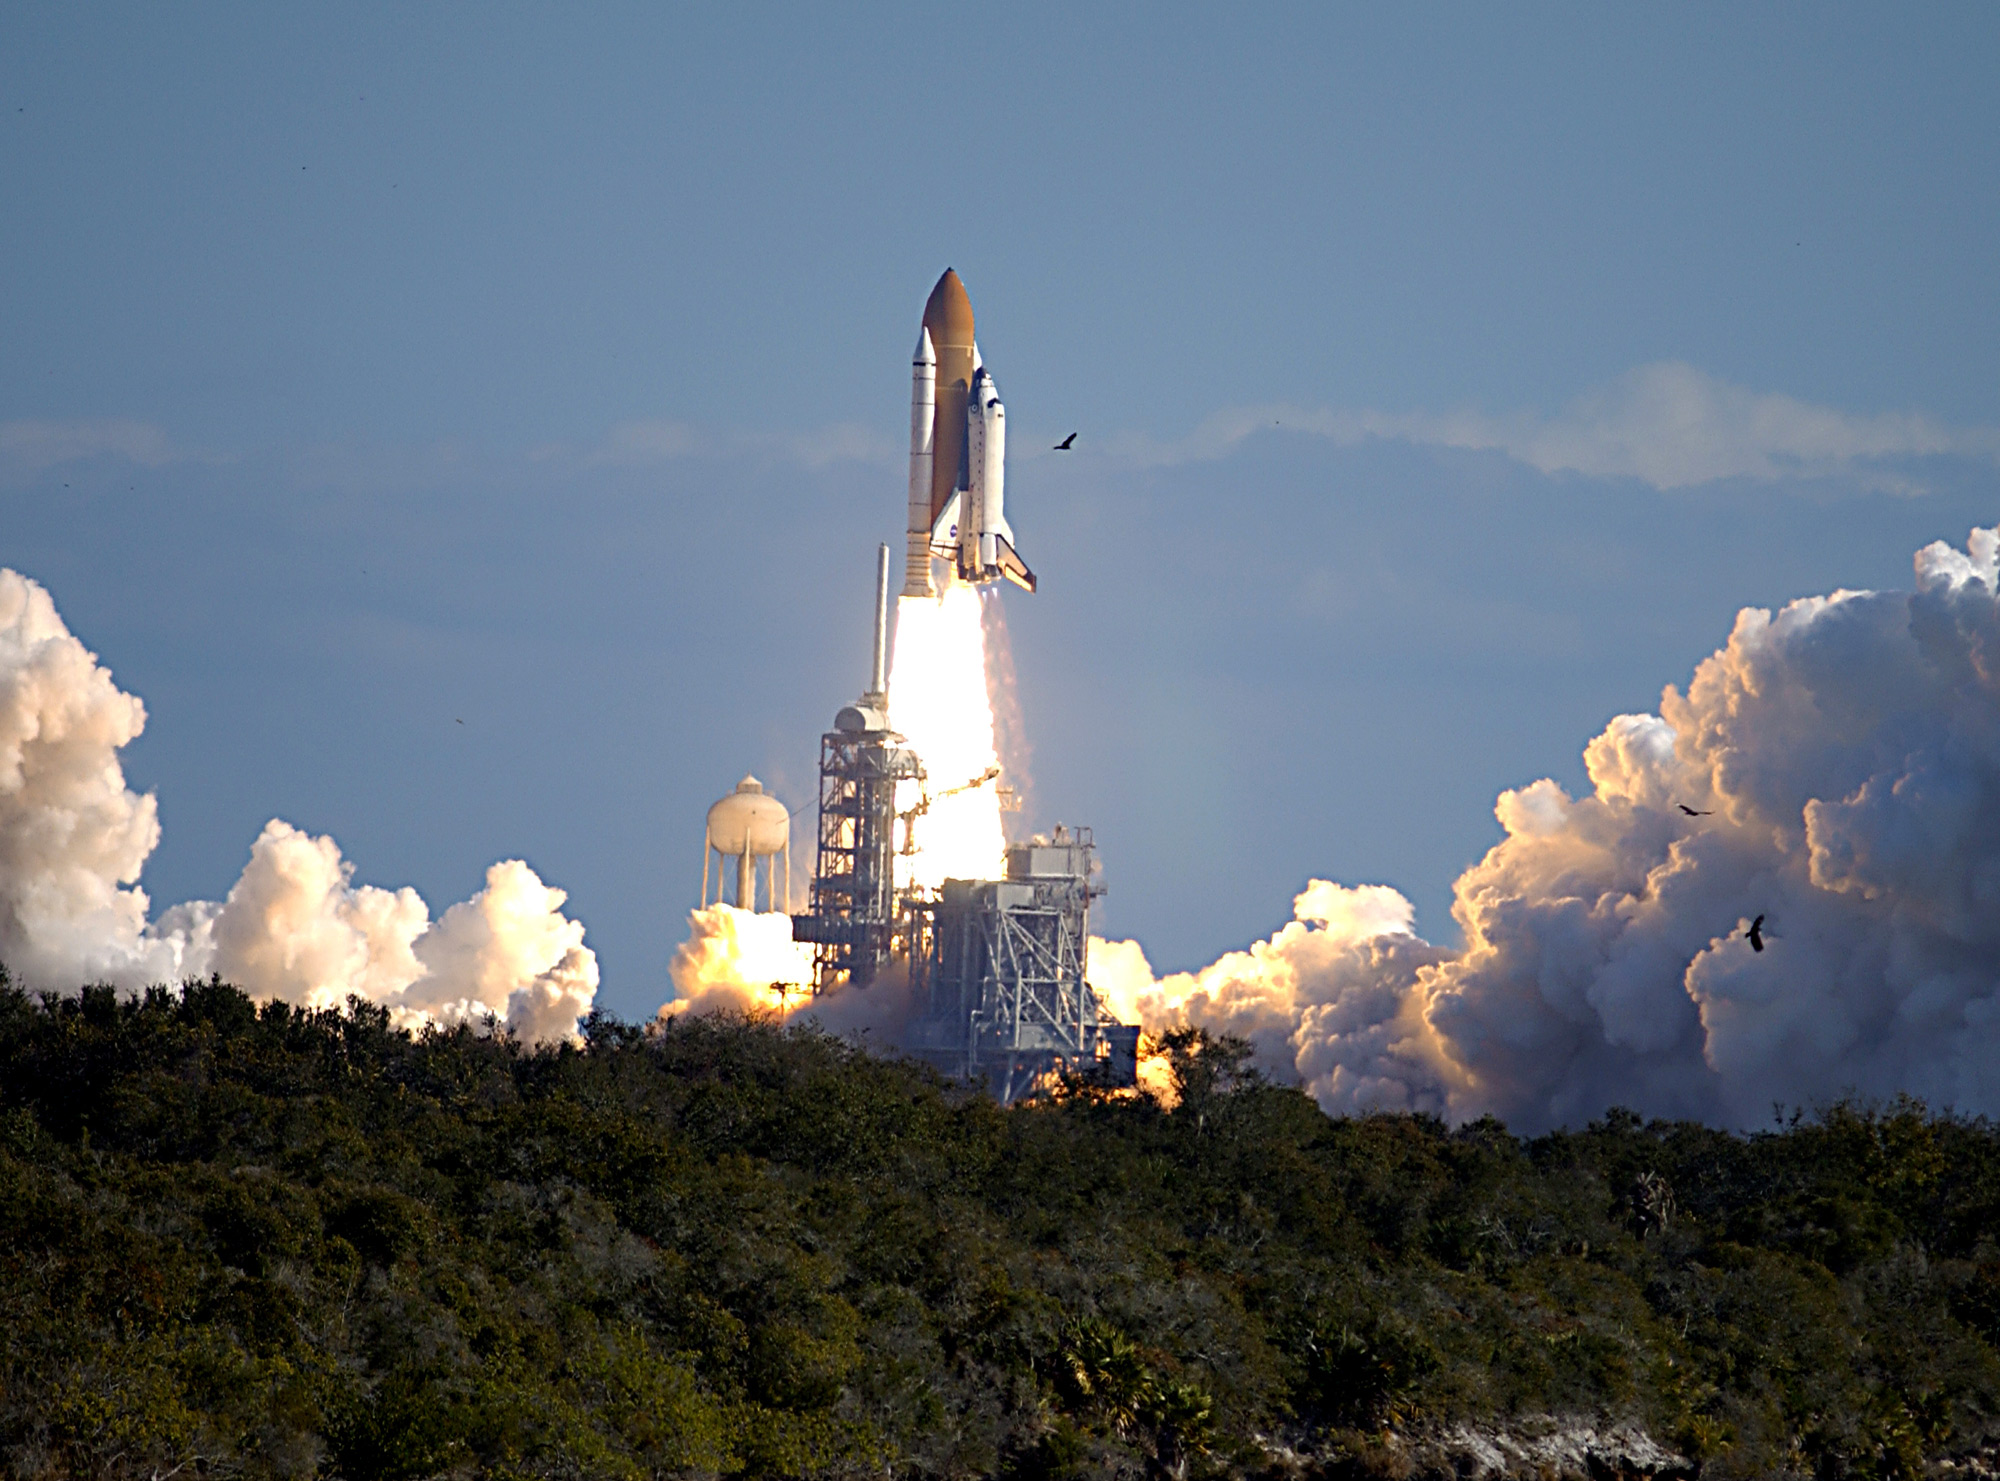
(1012, 566)
(944, 534)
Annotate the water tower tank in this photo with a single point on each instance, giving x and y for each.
(747, 825)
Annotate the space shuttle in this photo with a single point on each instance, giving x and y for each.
(958, 454)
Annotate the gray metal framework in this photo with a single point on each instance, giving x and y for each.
(1007, 997)
(853, 922)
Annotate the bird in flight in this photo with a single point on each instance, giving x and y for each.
(1692, 812)
(1756, 934)
(1759, 917)
(1063, 446)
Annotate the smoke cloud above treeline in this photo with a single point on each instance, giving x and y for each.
(1834, 768)
(74, 838)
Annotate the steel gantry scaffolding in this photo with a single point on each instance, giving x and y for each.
(852, 925)
(853, 922)
(1004, 984)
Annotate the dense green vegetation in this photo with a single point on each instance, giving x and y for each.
(244, 1240)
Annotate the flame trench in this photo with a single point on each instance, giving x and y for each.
(940, 702)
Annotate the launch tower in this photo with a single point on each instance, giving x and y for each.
(852, 925)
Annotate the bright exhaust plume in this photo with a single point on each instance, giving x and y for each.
(939, 701)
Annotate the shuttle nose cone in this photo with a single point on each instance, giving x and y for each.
(948, 315)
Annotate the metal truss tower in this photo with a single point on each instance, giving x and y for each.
(1007, 997)
(853, 923)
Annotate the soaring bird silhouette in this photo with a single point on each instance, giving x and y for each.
(1756, 934)
(1692, 812)
(1063, 446)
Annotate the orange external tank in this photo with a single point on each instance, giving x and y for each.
(948, 321)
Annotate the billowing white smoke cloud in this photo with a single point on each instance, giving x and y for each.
(73, 839)
(1847, 753)
(71, 834)
(1326, 1000)
(733, 961)
(739, 961)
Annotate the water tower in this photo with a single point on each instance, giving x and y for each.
(747, 825)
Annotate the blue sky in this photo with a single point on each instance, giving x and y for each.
(1446, 378)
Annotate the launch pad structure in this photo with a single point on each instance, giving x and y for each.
(1004, 975)
(995, 968)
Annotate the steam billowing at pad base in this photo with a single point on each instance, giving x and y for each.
(294, 928)
(1834, 768)
(1831, 768)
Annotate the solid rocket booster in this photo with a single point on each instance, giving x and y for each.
(923, 411)
(958, 453)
